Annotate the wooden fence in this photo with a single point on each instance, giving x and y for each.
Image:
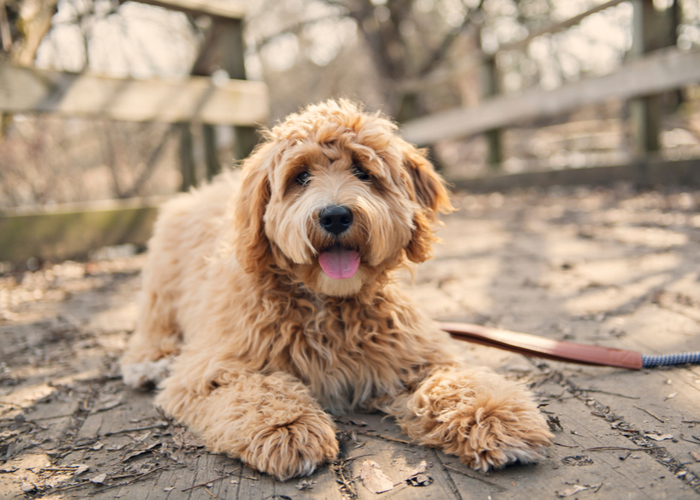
(656, 66)
(73, 230)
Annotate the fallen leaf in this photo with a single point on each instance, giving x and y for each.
(577, 460)
(138, 468)
(418, 469)
(420, 480)
(671, 396)
(134, 453)
(695, 456)
(305, 484)
(109, 403)
(572, 491)
(140, 437)
(99, 479)
(80, 468)
(373, 478)
(659, 437)
(169, 488)
(28, 487)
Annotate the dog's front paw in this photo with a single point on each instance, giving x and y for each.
(499, 434)
(145, 375)
(292, 448)
(487, 421)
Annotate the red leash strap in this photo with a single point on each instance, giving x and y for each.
(532, 345)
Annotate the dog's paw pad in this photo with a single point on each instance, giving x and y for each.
(147, 374)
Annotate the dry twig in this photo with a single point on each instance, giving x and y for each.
(651, 414)
(137, 429)
(464, 473)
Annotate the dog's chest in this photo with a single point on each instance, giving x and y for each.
(346, 364)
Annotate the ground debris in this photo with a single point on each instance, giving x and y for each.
(658, 437)
(305, 484)
(339, 470)
(650, 414)
(420, 480)
(373, 478)
(417, 470)
(85, 450)
(577, 488)
(577, 460)
(99, 479)
(80, 468)
(349, 421)
(554, 423)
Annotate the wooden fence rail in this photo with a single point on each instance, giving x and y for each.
(193, 99)
(660, 71)
(73, 230)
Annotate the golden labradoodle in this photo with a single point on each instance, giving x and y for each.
(270, 301)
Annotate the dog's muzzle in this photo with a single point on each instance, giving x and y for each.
(336, 219)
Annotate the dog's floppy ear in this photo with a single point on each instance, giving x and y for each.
(428, 190)
(251, 244)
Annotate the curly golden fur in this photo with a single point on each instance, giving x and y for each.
(262, 342)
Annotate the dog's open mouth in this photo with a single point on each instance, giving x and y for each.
(339, 262)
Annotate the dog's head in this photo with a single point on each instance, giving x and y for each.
(336, 198)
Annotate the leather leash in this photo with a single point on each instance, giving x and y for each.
(532, 345)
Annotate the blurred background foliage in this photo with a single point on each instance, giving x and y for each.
(407, 58)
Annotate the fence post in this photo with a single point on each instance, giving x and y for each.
(233, 61)
(646, 112)
(206, 60)
(490, 88)
(4, 124)
(187, 165)
(211, 157)
(224, 48)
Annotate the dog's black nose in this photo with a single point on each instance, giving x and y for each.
(335, 219)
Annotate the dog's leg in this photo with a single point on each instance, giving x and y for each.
(271, 422)
(147, 358)
(484, 419)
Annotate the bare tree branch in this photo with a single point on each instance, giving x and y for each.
(33, 28)
(439, 54)
(297, 28)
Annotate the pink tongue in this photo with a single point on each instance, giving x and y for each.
(339, 263)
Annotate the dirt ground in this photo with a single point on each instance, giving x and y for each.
(611, 267)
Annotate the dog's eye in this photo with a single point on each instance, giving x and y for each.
(304, 178)
(360, 173)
